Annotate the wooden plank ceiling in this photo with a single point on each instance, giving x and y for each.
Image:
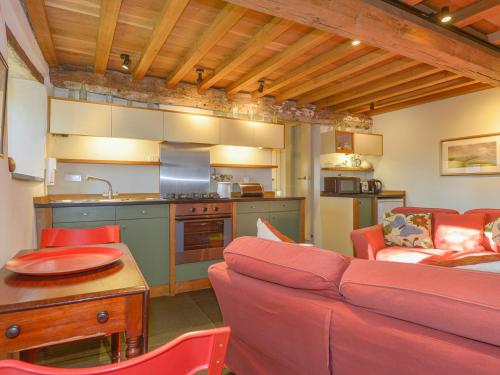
(237, 47)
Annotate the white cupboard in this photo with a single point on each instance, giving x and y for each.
(186, 127)
(136, 123)
(250, 133)
(74, 117)
(368, 144)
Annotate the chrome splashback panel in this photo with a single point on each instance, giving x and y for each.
(184, 168)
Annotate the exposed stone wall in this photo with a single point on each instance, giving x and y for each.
(151, 89)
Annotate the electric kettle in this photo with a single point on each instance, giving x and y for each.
(374, 186)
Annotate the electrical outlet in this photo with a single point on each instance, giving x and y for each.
(72, 177)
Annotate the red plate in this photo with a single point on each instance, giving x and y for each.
(63, 261)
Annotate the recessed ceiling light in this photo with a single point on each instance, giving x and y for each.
(356, 42)
(445, 16)
(125, 61)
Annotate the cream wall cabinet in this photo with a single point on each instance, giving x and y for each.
(269, 135)
(185, 127)
(74, 117)
(251, 133)
(136, 123)
(368, 144)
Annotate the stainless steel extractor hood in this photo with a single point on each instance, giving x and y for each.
(184, 168)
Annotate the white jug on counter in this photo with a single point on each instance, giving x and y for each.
(224, 189)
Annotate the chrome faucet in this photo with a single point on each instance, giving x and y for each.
(110, 188)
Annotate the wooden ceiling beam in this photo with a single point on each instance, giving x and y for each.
(430, 98)
(37, 15)
(316, 63)
(420, 93)
(261, 39)
(338, 73)
(413, 2)
(494, 38)
(390, 80)
(110, 9)
(380, 24)
(383, 71)
(224, 21)
(304, 44)
(475, 12)
(395, 90)
(168, 18)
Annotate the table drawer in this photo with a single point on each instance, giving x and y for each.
(41, 327)
(73, 214)
(254, 206)
(142, 211)
(282, 205)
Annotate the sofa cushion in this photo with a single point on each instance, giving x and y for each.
(408, 230)
(492, 215)
(492, 233)
(424, 210)
(459, 232)
(287, 264)
(461, 302)
(407, 255)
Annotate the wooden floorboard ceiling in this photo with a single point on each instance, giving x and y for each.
(270, 48)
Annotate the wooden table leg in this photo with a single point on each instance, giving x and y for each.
(115, 347)
(145, 322)
(136, 309)
(133, 347)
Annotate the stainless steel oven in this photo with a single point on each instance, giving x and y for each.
(202, 230)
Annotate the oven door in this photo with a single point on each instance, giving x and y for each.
(201, 238)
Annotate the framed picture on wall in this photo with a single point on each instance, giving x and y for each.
(478, 154)
(3, 100)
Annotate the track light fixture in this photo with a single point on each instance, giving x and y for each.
(261, 85)
(444, 15)
(125, 61)
(200, 71)
(372, 106)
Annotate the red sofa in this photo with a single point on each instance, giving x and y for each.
(369, 243)
(303, 311)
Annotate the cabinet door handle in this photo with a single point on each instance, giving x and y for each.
(124, 227)
(85, 214)
(13, 331)
(144, 212)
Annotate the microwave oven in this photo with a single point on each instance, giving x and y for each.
(342, 185)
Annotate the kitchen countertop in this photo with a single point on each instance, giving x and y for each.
(383, 194)
(47, 202)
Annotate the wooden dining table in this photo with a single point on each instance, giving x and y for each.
(38, 311)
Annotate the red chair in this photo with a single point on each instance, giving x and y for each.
(56, 237)
(186, 355)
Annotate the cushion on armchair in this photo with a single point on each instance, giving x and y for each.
(459, 232)
(492, 229)
(287, 264)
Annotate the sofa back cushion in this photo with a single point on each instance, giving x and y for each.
(459, 232)
(291, 265)
(461, 302)
(424, 210)
(491, 241)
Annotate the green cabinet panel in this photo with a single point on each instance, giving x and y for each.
(148, 240)
(246, 223)
(292, 205)
(287, 223)
(245, 207)
(83, 224)
(142, 211)
(365, 212)
(193, 271)
(78, 214)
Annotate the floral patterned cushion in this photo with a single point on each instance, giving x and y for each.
(492, 232)
(411, 230)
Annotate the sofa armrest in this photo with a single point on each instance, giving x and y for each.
(368, 241)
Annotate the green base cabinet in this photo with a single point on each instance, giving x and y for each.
(143, 228)
(284, 215)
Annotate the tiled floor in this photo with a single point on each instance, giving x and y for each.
(170, 317)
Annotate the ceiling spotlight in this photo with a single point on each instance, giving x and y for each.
(356, 42)
(200, 75)
(125, 61)
(372, 106)
(261, 85)
(445, 16)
